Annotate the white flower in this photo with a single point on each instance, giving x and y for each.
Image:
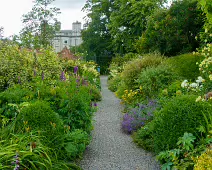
(194, 85)
(200, 80)
(184, 84)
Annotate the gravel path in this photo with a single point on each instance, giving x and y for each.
(110, 148)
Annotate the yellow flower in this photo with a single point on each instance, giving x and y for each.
(27, 129)
(198, 99)
(178, 92)
(210, 76)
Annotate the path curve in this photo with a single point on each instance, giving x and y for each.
(110, 148)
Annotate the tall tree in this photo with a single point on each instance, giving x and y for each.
(40, 25)
(128, 22)
(173, 31)
(96, 38)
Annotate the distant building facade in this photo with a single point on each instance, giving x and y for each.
(68, 38)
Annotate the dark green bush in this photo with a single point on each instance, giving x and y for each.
(154, 79)
(185, 65)
(39, 116)
(179, 115)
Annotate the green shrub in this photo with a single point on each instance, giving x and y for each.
(114, 83)
(143, 137)
(39, 116)
(185, 65)
(20, 65)
(153, 79)
(75, 143)
(135, 67)
(179, 115)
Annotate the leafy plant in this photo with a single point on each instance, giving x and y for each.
(39, 116)
(154, 79)
(185, 118)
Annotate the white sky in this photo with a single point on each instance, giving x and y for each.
(11, 12)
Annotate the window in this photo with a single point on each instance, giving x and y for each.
(65, 41)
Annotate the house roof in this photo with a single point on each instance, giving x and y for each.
(67, 54)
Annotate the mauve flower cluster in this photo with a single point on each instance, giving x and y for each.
(62, 76)
(16, 162)
(139, 116)
(76, 69)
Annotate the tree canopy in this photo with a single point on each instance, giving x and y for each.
(40, 25)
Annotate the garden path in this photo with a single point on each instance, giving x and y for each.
(110, 148)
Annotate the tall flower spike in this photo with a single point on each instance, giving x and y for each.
(75, 70)
(62, 76)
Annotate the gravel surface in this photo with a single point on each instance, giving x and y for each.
(110, 148)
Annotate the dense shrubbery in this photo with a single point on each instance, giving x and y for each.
(181, 125)
(181, 114)
(185, 65)
(45, 108)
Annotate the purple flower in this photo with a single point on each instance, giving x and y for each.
(16, 162)
(62, 76)
(138, 116)
(95, 104)
(75, 69)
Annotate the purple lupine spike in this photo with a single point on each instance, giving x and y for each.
(62, 76)
(42, 75)
(76, 69)
(16, 162)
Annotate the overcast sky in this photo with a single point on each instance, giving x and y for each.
(11, 12)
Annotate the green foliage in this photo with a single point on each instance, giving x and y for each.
(114, 83)
(16, 65)
(186, 65)
(97, 38)
(184, 21)
(143, 137)
(119, 60)
(172, 121)
(40, 25)
(21, 65)
(39, 116)
(134, 68)
(153, 79)
(173, 89)
(205, 6)
(128, 22)
(186, 154)
(30, 152)
(75, 143)
(204, 162)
